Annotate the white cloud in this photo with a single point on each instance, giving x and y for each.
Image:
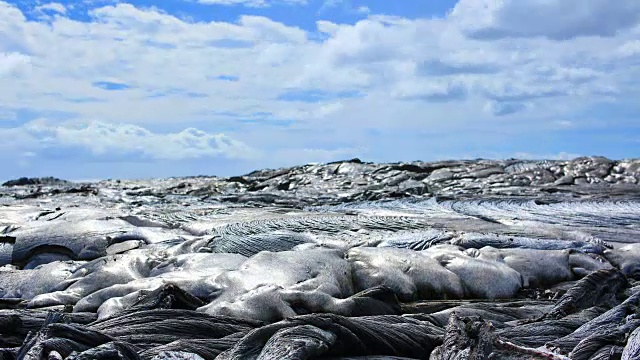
(12, 63)
(53, 7)
(444, 91)
(327, 4)
(630, 48)
(252, 3)
(549, 156)
(440, 73)
(565, 123)
(363, 10)
(101, 139)
(345, 6)
(554, 19)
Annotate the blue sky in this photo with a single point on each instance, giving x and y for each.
(131, 89)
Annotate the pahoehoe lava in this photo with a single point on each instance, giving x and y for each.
(469, 259)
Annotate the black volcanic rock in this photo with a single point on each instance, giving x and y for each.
(36, 181)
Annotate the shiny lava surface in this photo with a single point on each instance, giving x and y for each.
(465, 259)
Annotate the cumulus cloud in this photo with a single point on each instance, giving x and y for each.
(155, 70)
(103, 140)
(554, 19)
(12, 62)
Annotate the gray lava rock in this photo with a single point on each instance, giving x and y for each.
(36, 181)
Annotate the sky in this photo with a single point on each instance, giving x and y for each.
(138, 89)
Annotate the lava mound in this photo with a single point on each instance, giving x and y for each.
(465, 259)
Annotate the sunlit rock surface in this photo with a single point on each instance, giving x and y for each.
(349, 260)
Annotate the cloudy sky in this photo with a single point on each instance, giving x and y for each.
(140, 88)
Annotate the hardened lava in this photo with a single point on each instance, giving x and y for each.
(467, 259)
